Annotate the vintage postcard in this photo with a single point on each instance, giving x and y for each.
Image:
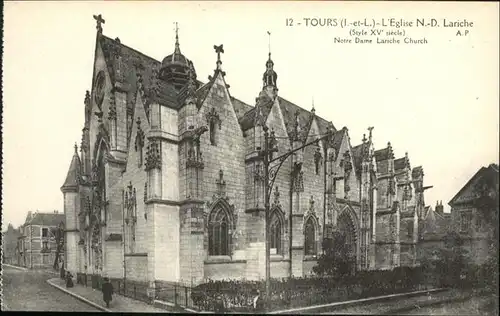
(251, 157)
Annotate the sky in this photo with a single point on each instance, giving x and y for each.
(437, 101)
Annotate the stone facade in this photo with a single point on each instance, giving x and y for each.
(169, 184)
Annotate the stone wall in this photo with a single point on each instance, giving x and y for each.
(225, 270)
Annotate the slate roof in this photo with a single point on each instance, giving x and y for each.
(384, 154)
(357, 152)
(134, 62)
(73, 172)
(288, 110)
(240, 107)
(399, 163)
(47, 219)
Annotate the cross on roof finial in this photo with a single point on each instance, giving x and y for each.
(100, 21)
(219, 49)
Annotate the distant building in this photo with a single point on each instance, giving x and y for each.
(9, 245)
(474, 213)
(434, 227)
(37, 241)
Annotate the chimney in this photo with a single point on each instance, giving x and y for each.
(55, 212)
(439, 208)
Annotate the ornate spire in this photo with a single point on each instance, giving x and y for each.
(76, 149)
(370, 133)
(177, 47)
(99, 21)
(313, 110)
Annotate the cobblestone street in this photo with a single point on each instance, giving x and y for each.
(29, 291)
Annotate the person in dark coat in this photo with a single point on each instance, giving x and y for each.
(219, 305)
(69, 279)
(107, 291)
(62, 270)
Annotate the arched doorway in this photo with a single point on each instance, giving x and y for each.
(347, 228)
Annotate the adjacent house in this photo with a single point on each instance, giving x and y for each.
(37, 244)
(474, 213)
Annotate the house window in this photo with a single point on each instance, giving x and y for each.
(276, 233)
(465, 220)
(310, 237)
(45, 232)
(218, 233)
(45, 245)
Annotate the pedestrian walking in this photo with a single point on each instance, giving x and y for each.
(107, 291)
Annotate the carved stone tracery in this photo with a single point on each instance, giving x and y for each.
(153, 155)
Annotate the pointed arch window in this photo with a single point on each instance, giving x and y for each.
(276, 232)
(310, 237)
(218, 233)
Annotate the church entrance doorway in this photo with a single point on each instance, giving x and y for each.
(347, 229)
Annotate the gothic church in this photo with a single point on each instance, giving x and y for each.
(168, 186)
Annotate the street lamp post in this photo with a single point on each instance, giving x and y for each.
(270, 174)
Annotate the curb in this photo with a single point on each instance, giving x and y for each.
(14, 267)
(427, 304)
(351, 302)
(80, 297)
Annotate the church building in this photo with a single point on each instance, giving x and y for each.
(168, 184)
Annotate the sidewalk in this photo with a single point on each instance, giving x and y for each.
(14, 267)
(119, 304)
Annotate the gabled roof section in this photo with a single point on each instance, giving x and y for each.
(74, 172)
(417, 172)
(48, 219)
(358, 152)
(486, 176)
(402, 163)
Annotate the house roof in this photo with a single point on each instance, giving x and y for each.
(47, 219)
(485, 177)
(434, 225)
